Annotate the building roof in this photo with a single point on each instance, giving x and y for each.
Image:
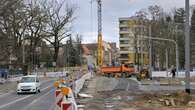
(85, 50)
(93, 46)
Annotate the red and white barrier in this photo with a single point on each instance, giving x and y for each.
(65, 102)
(58, 98)
(66, 106)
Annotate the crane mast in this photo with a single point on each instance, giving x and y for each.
(100, 52)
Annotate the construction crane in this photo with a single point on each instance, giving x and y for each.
(100, 50)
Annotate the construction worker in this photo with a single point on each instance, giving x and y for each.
(173, 70)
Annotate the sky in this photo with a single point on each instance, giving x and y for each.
(85, 23)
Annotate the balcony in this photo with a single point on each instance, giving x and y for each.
(124, 52)
(123, 25)
(124, 32)
(124, 45)
(123, 38)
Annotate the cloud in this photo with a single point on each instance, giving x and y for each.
(112, 11)
(89, 37)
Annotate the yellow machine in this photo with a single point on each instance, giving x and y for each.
(100, 50)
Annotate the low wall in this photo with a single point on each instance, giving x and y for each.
(165, 74)
(80, 82)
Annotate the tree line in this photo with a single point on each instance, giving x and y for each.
(30, 26)
(169, 25)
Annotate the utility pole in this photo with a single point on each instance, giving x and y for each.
(187, 46)
(167, 61)
(177, 58)
(150, 52)
(141, 48)
(23, 53)
(177, 53)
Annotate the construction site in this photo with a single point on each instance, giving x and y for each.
(97, 55)
(128, 94)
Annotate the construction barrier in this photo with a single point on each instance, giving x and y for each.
(65, 95)
(58, 99)
(65, 101)
(80, 82)
(56, 74)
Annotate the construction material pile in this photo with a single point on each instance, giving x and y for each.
(163, 100)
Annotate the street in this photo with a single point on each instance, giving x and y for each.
(41, 101)
(97, 55)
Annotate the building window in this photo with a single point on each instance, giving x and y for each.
(124, 55)
(123, 22)
(124, 29)
(124, 49)
(124, 35)
(124, 42)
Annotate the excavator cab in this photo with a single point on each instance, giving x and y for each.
(143, 74)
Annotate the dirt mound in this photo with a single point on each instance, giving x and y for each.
(155, 100)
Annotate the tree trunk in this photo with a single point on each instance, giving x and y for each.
(56, 50)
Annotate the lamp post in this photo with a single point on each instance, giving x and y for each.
(170, 40)
(187, 47)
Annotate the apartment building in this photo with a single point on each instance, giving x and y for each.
(133, 48)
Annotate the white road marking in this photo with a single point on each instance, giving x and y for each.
(127, 87)
(34, 101)
(2, 106)
(20, 99)
(46, 88)
(10, 92)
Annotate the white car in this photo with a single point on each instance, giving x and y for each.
(28, 84)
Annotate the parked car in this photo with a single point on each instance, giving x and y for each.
(28, 84)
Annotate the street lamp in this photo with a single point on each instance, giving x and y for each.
(161, 39)
(170, 40)
(187, 46)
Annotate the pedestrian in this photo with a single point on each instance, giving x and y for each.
(173, 70)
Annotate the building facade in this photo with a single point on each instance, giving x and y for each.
(109, 52)
(133, 48)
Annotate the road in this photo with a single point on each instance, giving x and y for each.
(126, 84)
(41, 101)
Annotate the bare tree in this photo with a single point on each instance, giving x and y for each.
(59, 24)
(12, 26)
(141, 14)
(36, 23)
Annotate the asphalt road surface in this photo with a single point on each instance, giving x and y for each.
(41, 101)
(126, 84)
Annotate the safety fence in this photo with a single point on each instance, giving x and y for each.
(65, 94)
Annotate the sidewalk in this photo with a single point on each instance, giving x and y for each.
(7, 87)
